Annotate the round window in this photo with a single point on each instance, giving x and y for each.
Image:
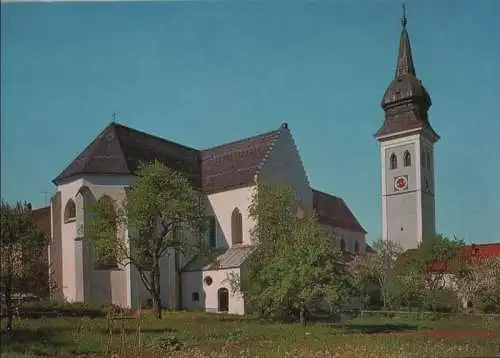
(208, 280)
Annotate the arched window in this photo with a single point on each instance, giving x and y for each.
(394, 161)
(407, 159)
(236, 227)
(342, 244)
(424, 165)
(223, 299)
(84, 190)
(70, 211)
(356, 247)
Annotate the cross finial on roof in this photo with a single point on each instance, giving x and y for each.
(404, 19)
(115, 115)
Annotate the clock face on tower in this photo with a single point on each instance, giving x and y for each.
(401, 182)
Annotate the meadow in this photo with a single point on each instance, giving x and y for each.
(189, 334)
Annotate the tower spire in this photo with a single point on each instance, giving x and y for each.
(404, 20)
(405, 64)
(405, 101)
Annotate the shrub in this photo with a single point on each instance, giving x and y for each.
(165, 343)
(41, 308)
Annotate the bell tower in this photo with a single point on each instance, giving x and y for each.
(407, 154)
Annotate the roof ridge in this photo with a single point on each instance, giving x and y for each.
(481, 245)
(240, 140)
(153, 136)
(328, 194)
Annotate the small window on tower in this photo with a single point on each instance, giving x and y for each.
(394, 161)
(407, 159)
(428, 160)
(422, 158)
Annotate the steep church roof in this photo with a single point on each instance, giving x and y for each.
(236, 163)
(332, 210)
(119, 150)
(406, 101)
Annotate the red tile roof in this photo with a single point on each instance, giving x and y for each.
(332, 210)
(469, 253)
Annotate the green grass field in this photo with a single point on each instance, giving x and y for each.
(183, 334)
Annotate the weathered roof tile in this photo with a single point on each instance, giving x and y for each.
(332, 210)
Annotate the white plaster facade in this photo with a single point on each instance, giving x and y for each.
(201, 291)
(408, 215)
(99, 287)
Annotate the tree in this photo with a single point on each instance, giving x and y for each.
(294, 263)
(478, 282)
(21, 242)
(432, 264)
(379, 267)
(163, 215)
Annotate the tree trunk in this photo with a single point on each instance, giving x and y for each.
(8, 298)
(155, 291)
(157, 306)
(302, 315)
(8, 303)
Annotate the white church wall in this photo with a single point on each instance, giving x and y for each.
(222, 205)
(284, 166)
(194, 283)
(105, 285)
(68, 234)
(351, 237)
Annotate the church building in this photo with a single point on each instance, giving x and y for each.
(226, 175)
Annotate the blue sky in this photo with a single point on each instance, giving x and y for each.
(204, 73)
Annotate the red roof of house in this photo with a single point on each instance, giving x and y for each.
(470, 254)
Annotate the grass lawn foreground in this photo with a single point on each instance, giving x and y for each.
(188, 334)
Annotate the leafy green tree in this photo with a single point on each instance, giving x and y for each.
(380, 268)
(294, 264)
(163, 215)
(21, 242)
(431, 265)
(479, 283)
